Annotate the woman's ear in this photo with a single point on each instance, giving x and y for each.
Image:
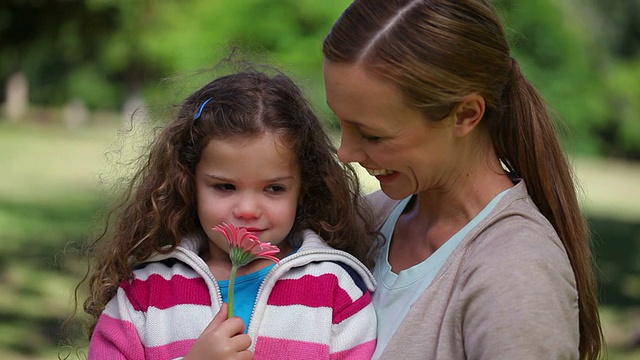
(469, 113)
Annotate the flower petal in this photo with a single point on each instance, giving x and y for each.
(245, 247)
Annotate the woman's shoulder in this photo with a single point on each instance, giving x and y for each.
(516, 220)
(517, 238)
(516, 224)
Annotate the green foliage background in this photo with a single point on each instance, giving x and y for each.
(583, 55)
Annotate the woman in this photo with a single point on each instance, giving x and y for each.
(487, 253)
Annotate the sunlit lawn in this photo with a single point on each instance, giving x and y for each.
(48, 201)
(52, 190)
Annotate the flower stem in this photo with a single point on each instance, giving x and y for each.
(232, 280)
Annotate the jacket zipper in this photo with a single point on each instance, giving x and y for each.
(288, 262)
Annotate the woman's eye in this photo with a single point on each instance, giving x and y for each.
(275, 189)
(224, 187)
(370, 138)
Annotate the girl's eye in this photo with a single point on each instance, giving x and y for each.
(224, 187)
(275, 189)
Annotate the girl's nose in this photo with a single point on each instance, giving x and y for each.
(247, 207)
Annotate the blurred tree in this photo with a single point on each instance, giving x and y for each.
(618, 24)
(583, 56)
(615, 42)
(104, 51)
(553, 51)
(621, 132)
(54, 42)
(187, 36)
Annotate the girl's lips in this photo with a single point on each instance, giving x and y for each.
(254, 231)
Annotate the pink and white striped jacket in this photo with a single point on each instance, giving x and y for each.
(316, 304)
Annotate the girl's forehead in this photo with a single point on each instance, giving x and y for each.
(260, 145)
(280, 139)
(250, 156)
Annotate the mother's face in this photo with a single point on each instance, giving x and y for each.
(391, 140)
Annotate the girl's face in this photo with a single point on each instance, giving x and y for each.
(407, 153)
(250, 182)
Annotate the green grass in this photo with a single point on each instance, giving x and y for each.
(54, 183)
(611, 188)
(50, 193)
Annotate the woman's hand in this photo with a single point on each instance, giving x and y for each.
(222, 339)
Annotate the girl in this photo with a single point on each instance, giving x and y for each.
(247, 150)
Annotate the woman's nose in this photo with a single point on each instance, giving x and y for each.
(349, 150)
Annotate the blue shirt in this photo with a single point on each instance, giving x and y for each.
(246, 291)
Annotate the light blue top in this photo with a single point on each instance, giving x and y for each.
(246, 290)
(397, 292)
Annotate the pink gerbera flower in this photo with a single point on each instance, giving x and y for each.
(244, 247)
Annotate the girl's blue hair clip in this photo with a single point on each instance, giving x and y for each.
(197, 116)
